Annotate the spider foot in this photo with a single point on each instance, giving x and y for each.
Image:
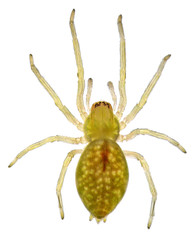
(12, 163)
(60, 204)
(150, 222)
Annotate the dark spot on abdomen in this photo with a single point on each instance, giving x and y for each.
(104, 155)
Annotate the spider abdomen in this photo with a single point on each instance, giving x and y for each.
(102, 177)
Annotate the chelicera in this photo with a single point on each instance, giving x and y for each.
(102, 171)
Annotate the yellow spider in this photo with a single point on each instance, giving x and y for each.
(102, 171)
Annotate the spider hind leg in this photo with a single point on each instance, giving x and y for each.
(150, 182)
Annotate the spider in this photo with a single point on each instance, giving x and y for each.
(102, 171)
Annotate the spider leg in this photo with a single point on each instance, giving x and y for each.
(113, 95)
(81, 82)
(123, 98)
(66, 163)
(47, 140)
(88, 95)
(54, 96)
(145, 95)
(149, 179)
(144, 131)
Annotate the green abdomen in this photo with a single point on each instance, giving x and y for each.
(102, 177)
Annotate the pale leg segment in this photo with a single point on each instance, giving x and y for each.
(88, 95)
(54, 96)
(113, 95)
(47, 140)
(149, 179)
(66, 163)
(145, 95)
(81, 82)
(123, 98)
(145, 131)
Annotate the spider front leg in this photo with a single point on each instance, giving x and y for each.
(81, 82)
(54, 96)
(66, 163)
(123, 98)
(47, 140)
(144, 131)
(149, 179)
(145, 95)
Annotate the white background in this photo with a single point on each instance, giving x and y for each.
(153, 29)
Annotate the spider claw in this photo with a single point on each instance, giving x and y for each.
(182, 149)
(167, 57)
(31, 58)
(120, 18)
(62, 213)
(149, 222)
(72, 16)
(12, 163)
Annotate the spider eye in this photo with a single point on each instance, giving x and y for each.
(101, 104)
